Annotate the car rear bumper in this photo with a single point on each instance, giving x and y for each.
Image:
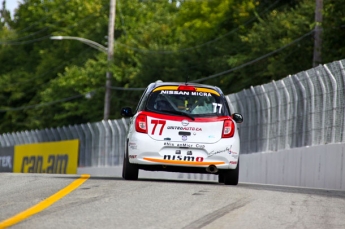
(163, 154)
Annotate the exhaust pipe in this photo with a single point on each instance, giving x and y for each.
(212, 169)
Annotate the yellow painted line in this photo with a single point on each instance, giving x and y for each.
(45, 203)
(178, 162)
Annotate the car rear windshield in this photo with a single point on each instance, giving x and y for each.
(199, 103)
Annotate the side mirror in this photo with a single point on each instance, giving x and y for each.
(126, 112)
(238, 118)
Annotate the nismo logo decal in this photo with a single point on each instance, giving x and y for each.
(183, 158)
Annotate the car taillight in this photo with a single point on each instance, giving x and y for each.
(186, 88)
(141, 123)
(228, 129)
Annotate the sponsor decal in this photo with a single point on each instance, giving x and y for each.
(194, 93)
(184, 138)
(183, 158)
(6, 162)
(213, 152)
(132, 145)
(201, 93)
(167, 139)
(186, 145)
(232, 152)
(189, 152)
(6, 159)
(48, 157)
(200, 146)
(169, 144)
(175, 92)
(132, 156)
(174, 88)
(184, 128)
(233, 162)
(36, 164)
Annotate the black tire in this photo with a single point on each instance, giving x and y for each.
(129, 171)
(220, 178)
(231, 175)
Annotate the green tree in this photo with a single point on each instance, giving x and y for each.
(333, 25)
(46, 83)
(277, 45)
(33, 60)
(140, 33)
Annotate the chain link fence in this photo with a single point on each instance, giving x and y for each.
(305, 109)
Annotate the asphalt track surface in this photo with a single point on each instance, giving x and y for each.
(111, 202)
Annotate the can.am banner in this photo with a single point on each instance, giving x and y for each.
(49, 157)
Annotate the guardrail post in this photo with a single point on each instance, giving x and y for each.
(120, 140)
(304, 108)
(113, 131)
(268, 126)
(258, 118)
(323, 123)
(312, 112)
(279, 114)
(93, 147)
(342, 70)
(295, 95)
(335, 88)
(249, 122)
(288, 104)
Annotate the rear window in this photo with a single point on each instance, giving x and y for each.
(202, 102)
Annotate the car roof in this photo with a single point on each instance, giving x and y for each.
(160, 83)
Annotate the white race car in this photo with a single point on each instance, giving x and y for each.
(183, 127)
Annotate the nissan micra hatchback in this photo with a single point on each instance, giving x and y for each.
(182, 127)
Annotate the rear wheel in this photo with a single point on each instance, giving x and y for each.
(231, 175)
(129, 171)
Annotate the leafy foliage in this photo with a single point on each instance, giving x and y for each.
(48, 83)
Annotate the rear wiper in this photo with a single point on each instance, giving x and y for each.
(180, 113)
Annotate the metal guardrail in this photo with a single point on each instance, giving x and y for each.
(304, 109)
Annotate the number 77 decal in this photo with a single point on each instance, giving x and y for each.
(156, 122)
(215, 105)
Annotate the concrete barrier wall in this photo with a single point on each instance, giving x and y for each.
(313, 167)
